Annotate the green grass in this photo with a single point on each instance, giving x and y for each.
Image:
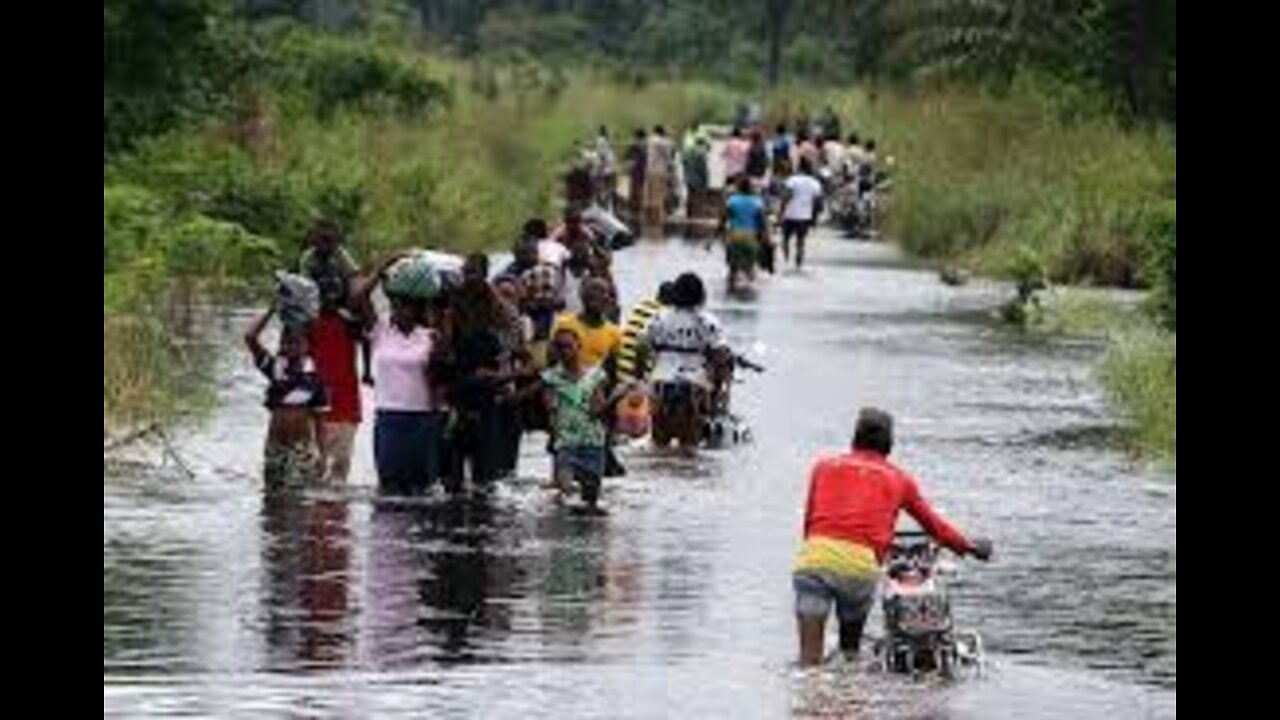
(1140, 373)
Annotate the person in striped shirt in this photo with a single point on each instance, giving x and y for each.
(632, 359)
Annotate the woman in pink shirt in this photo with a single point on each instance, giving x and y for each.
(408, 422)
(735, 152)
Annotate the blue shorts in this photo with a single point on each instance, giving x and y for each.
(818, 590)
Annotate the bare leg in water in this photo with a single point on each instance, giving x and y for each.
(811, 632)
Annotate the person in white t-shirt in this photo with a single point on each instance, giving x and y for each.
(802, 203)
(687, 346)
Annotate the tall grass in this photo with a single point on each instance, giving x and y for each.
(1140, 373)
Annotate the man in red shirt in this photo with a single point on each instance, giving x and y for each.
(853, 506)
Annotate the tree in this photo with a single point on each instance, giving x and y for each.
(155, 54)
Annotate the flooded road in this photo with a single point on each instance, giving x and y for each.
(219, 602)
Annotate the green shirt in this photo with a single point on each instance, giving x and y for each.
(575, 424)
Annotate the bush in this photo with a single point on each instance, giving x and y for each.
(333, 74)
